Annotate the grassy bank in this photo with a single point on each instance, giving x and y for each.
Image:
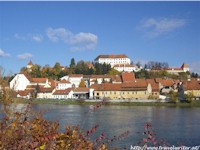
(82, 102)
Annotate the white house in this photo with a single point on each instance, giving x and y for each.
(124, 67)
(113, 59)
(75, 79)
(183, 68)
(20, 82)
(63, 94)
(64, 84)
(65, 78)
(45, 93)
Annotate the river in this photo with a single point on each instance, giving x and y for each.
(178, 126)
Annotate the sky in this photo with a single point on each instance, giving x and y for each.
(50, 32)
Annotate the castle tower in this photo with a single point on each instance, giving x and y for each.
(185, 67)
(29, 66)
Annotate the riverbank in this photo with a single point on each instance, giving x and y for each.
(111, 102)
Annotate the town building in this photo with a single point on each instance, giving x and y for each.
(192, 88)
(119, 62)
(129, 90)
(174, 70)
(113, 59)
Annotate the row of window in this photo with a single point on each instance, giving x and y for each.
(121, 93)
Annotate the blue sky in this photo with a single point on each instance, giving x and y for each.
(50, 32)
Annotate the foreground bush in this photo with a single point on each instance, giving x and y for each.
(29, 130)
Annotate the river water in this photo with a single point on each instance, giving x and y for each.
(175, 125)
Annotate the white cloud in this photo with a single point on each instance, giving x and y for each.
(3, 54)
(19, 37)
(24, 56)
(29, 37)
(37, 38)
(194, 67)
(58, 34)
(82, 41)
(156, 27)
(79, 41)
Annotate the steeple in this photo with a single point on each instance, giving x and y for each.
(185, 67)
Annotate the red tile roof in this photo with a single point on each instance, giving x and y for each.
(31, 86)
(90, 65)
(81, 89)
(25, 92)
(117, 78)
(30, 63)
(129, 86)
(154, 85)
(192, 85)
(64, 81)
(39, 80)
(165, 82)
(111, 56)
(63, 92)
(128, 76)
(184, 66)
(45, 90)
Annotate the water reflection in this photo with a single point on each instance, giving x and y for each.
(170, 123)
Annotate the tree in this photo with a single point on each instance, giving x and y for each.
(56, 70)
(81, 67)
(138, 64)
(35, 73)
(113, 72)
(24, 69)
(72, 66)
(82, 83)
(156, 65)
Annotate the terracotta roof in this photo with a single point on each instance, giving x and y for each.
(30, 63)
(64, 81)
(62, 92)
(123, 65)
(192, 85)
(111, 56)
(165, 82)
(184, 66)
(90, 65)
(81, 89)
(31, 86)
(138, 84)
(117, 78)
(107, 87)
(46, 90)
(39, 80)
(76, 75)
(128, 76)
(25, 92)
(130, 86)
(52, 83)
(154, 85)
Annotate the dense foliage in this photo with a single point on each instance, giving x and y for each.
(58, 71)
(25, 129)
(144, 74)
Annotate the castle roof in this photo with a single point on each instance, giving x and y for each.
(112, 56)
